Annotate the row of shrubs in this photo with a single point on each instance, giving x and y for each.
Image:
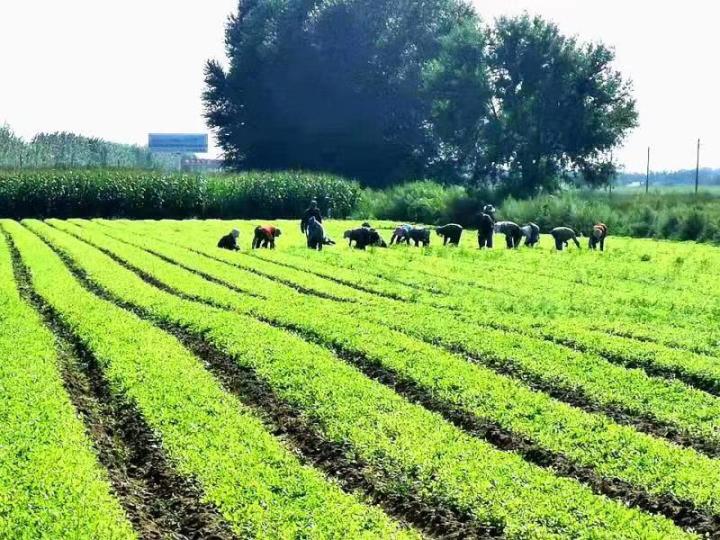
(252, 195)
(157, 195)
(660, 214)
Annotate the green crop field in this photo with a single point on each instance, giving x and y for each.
(155, 386)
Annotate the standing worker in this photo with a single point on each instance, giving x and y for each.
(312, 211)
(562, 236)
(486, 227)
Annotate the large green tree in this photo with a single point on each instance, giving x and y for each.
(389, 90)
(458, 87)
(334, 85)
(559, 107)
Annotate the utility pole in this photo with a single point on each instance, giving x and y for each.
(697, 169)
(647, 177)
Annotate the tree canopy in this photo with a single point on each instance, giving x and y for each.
(389, 90)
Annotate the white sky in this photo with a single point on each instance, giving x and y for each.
(119, 70)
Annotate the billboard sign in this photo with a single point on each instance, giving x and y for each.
(178, 143)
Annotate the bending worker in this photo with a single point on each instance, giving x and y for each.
(562, 236)
(229, 241)
(531, 232)
(265, 236)
(450, 233)
(316, 238)
(512, 233)
(363, 237)
(401, 234)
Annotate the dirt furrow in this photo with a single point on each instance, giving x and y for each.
(684, 514)
(575, 397)
(158, 501)
(432, 518)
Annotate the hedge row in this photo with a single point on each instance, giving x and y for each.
(149, 194)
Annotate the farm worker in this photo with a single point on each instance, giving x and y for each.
(450, 233)
(531, 232)
(562, 236)
(316, 238)
(513, 233)
(363, 237)
(486, 227)
(312, 211)
(419, 235)
(401, 234)
(598, 236)
(265, 236)
(229, 241)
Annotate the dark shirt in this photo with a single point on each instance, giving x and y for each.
(451, 229)
(315, 231)
(420, 234)
(563, 234)
(310, 212)
(228, 242)
(508, 228)
(487, 224)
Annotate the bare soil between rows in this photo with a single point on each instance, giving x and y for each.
(684, 514)
(159, 502)
(432, 518)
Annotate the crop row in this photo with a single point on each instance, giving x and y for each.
(589, 337)
(473, 389)
(461, 287)
(691, 412)
(590, 440)
(51, 485)
(522, 312)
(259, 487)
(388, 276)
(564, 328)
(412, 448)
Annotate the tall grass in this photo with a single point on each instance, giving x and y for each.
(671, 214)
(149, 194)
(422, 202)
(663, 214)
(668, 213)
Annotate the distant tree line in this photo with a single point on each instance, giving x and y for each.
(708, 177)
(68, 150)
(389, 90)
